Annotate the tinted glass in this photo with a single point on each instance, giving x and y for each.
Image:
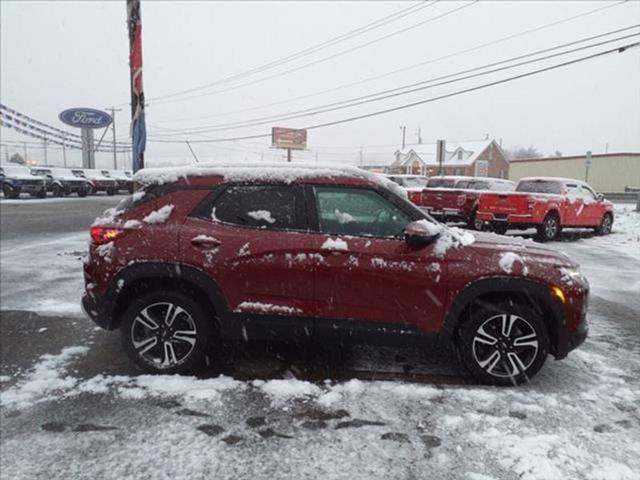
(539, 186)
(355, 211)
(441, 183)
(264, 206)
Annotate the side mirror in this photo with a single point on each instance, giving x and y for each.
(421, 232)
(600, 197)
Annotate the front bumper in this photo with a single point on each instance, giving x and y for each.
(568, 341)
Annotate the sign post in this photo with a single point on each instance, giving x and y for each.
(86, 119)
(289, 139)
(587, 164)
(138, 127)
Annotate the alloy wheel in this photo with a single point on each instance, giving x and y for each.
(505, 345)
(551, 227)
(163, 335)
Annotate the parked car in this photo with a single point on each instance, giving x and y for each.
(61, 181)
(411, 183)
(293, 252)
(98, 182)
(459, 203)
(547, 204)
(16, 179)
(123, 178)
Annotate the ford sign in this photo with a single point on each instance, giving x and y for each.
(85, 118)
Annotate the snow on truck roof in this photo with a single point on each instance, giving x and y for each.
(553, 179)
(278, 172)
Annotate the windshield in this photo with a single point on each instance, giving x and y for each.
(539, 186)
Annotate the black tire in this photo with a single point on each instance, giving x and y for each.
(58, 191)
(499, 229)
(83, 192)
(157, 357)
(605, 225)
(473, 223)
(494, 358)
(550, 228)
(111, 191)
(9, 192)
(41, 194)
(130, 188)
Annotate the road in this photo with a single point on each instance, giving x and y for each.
(29, 217)
(74, 407)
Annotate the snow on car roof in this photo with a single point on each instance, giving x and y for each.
(288, 173)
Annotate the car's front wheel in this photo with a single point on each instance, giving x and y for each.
(166, 332)
(503, 344)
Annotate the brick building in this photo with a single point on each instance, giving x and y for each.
(483, 158)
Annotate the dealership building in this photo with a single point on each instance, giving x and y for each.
(605, 172)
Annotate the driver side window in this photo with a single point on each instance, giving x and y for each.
(358, 212)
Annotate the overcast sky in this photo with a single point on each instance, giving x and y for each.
(56, 55)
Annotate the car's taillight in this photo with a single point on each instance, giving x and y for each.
(102, 235)
(462, 198)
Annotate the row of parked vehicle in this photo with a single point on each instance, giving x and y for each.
(547, 204)
(38, 181)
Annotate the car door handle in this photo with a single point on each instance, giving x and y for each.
(205, 242)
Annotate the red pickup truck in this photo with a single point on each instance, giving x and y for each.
(450, 198)
(547, 204)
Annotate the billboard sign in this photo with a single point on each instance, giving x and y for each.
(288, 138)
(85, 118)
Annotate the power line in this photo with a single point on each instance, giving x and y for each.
(428, 100)
(407, 89)
(321, 60)
(309, 50)
(420, 64)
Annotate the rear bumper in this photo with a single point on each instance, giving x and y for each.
(97, 311)
(511, 218)
(445, 212)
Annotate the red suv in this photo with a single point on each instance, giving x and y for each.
(332, 254)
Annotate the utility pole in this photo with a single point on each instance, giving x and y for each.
(419, 136)
(24, 144)
(587, 164)
(64, 151)
(113, 127)
(440, 154)
(288, 154)
(6, 153)
(45, 149)
(404, 132)
(361, 157)
(316, 157)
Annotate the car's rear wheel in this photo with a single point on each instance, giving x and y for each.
(503, 344)
(166, 332)
(550, 228)
(473, 222)
(58, 191)
(605, 225)
(111, 191)
(500, 229)
(83, 192)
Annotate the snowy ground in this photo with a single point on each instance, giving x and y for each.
(580, 418)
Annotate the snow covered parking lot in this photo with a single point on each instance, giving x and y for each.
(67, 415)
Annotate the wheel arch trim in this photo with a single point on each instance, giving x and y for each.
(154, 271)
(497, 285)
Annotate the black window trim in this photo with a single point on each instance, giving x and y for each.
(314, 220)
(204, 208)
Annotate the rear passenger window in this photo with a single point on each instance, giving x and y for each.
(262, 206)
